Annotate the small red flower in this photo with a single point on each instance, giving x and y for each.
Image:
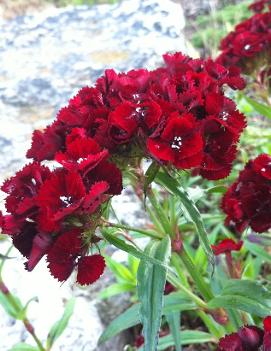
(180, 143)
(68, 253)
(90, 268)
(226, 245)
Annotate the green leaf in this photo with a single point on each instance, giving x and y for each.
(150, 175)
(221, 189)
(151, 283)
(126, 320)
(59, 327)
(263, 109)
(172, 185)
(248, 288)
(258, 251)
(174, 322)
(116, 289)
(188, 337)
(244, 295)
(174, 302)
(12, 305)
(122, 245)
(240, 303)
(120, 271)
(133, 264)
(23, 347)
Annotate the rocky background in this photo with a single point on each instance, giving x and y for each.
(45, 58)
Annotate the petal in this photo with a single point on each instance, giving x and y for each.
(90, 268)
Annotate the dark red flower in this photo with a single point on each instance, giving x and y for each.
(249, 39)
(90, 268)
(68, 253)
(248, 338)
(258, 6)
(248, 201)
(45, 144)
(180, 143)
(22, 189)
(226, 245)
(60, 196)
(82, 154)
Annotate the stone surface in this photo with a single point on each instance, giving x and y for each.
(45, 58)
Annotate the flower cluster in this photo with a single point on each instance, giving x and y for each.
(176, 114)
(55, 213)
(249, 45)
(248, 201)
(248, 338)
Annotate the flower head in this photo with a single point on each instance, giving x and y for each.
(226, 245)
(248, 201)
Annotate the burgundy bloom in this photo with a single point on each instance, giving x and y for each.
(180, 143)
(122, 123)
(248, 201)
(249, 39)
(68, 253)
(82, 154)
(90, 268)
(61, 195)
(248, 338)
(258, 6)
(226, 245)
(22, 189)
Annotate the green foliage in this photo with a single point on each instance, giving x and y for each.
(188, 337)
(175, 302)
(23, 347)
(151, 282)
(174, 322)
(59, 327)
(244, 295)
(211, 28)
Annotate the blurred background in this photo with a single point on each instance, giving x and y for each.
(50, 49)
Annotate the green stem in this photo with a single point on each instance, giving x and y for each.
(17, 308)
(137, 230)
(175, 282)
(164, 220)
(213, 328)
(203, 288)
(175, 260)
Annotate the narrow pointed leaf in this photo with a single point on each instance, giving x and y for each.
(151, 283)
(263, 109)
(174, 322)
(23, 347)
(242, 303)
(188, 337)
(122, 245)
(59, 327)
(175, 302)
(172, 185)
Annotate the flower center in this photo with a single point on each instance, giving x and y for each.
(224, 115)
(66, 200)
(176, 143)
